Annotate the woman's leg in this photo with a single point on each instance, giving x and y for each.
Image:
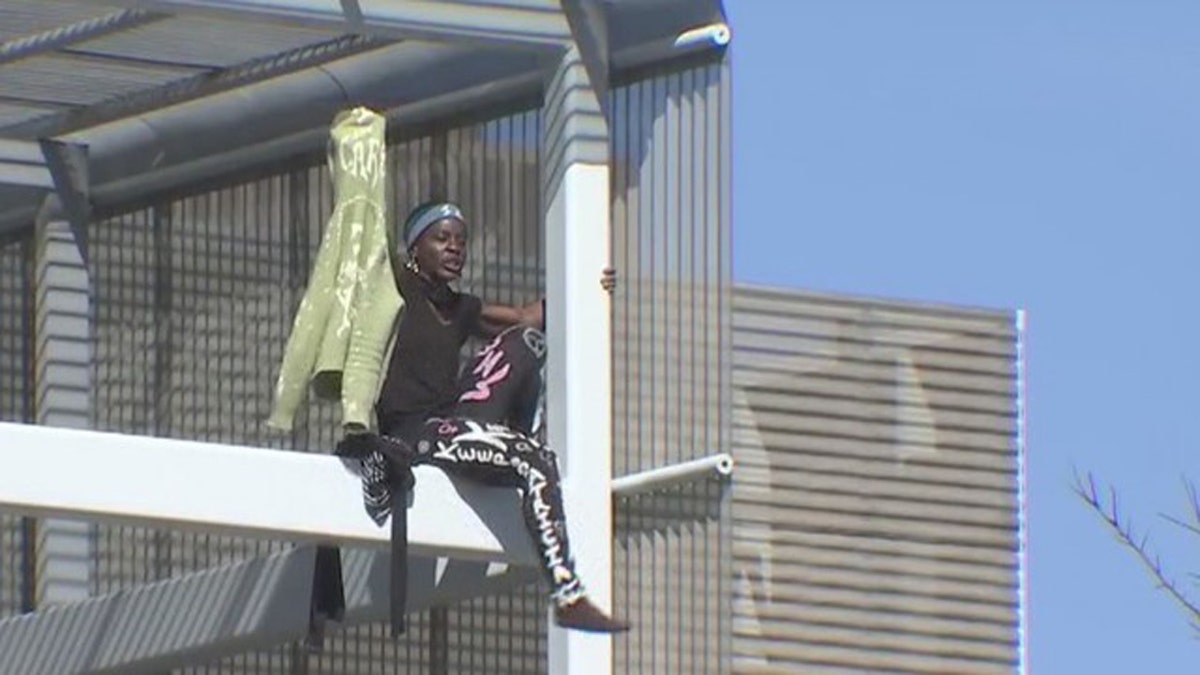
(496, 455)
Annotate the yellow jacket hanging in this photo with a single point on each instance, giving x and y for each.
(342, 331)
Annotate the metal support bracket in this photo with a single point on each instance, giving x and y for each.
(68, 165)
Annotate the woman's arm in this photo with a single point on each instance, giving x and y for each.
(495, 319)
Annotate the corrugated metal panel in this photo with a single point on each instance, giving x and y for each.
(203, 41)
(24, 17)
(14, 114)
(671, 386)
(74, 80)
(16, 405)
(875, 501)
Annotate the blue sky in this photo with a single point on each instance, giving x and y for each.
(1042, 155)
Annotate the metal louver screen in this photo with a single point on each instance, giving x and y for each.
(16, 405)
(192, 301)
(16, 331)
(875, 511)
(671, 229)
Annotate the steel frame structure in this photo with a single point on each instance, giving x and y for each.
(437, 58)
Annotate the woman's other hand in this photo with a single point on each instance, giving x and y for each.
(608, 279)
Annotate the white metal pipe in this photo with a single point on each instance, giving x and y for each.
(714, 466)
(710, 38)
(712, 35)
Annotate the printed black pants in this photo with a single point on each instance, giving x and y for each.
(494, 454)
(490, 436)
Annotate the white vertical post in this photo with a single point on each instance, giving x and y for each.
(63, 398)
(576, 188)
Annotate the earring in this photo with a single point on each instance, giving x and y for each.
(412, 266)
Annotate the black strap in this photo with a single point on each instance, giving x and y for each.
(328, 595)
(399, 571)
(400, 458)
(328, 602)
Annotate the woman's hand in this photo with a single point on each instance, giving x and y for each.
(608, 279)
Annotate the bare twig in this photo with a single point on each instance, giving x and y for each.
(1194, 504)
(1193, 499)
(1175, 521)
(1124, 530)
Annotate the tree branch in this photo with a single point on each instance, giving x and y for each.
(1124, 530)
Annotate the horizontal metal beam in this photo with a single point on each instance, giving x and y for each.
(456, 83)
(303, 102)
(405, 120)
(220, 489)
(514, 24)
(22, 163)
(25, 175)
(455, 529)
(276, 119)
(227, 610)
(245, 491)
(26, 152)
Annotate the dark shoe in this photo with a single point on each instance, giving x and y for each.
(583, 615)
(356, 445)
(399, 453)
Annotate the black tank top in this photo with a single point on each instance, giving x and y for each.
(423, 370)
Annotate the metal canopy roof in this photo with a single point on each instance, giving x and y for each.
(141, 96)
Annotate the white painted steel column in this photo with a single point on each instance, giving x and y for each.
(63, 398)
(575, 189)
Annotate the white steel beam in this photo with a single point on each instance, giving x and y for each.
(226, 610)
(241, 490)
(246, 491)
